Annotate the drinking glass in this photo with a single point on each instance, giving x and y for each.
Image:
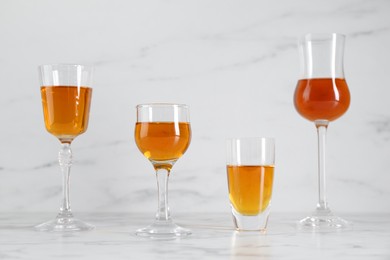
(162, 134)
(66, 96)
(321, 96)
(250, 172)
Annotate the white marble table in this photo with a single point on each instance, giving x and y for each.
(213, 238)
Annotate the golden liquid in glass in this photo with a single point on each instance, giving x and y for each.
(250, 188)
(66, 110)
(162, 141)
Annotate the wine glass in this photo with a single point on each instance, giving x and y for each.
(66, 96)
(163, 134)
(321, 96)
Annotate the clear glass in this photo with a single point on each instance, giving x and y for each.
(321, 96)
(250, 173)
(66, 96)
(162, 134)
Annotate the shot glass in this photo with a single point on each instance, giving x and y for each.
(250, 172)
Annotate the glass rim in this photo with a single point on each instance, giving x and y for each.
(321, 36)
(65, 65)
(247, 138)
(161, 105)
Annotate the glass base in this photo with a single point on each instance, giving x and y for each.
(163, 230)
(64, 223)
(250, 222)
(324, 219)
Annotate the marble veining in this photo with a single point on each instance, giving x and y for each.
(382, 127)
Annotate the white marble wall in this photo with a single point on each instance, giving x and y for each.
(235, 63)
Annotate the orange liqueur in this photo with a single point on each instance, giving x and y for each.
(162, 141)
(322, 98)
(66, 110)
(250, 188)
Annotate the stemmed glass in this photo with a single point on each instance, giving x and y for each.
(66, 96)
(321, 96)
(162, 134)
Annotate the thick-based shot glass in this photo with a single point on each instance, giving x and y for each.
(250, 172)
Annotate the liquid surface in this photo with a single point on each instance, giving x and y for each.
(66, 110)
(321, 98)
(250, 188)
(162, 141)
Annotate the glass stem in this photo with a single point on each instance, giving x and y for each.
(321, 126)
(65, 161)
(162, 176)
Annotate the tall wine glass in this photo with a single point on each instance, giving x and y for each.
(66, 96)
(321, 96)
(162, 134)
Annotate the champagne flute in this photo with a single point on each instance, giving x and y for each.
(163, 134)
(321, 96)
(66, 96)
